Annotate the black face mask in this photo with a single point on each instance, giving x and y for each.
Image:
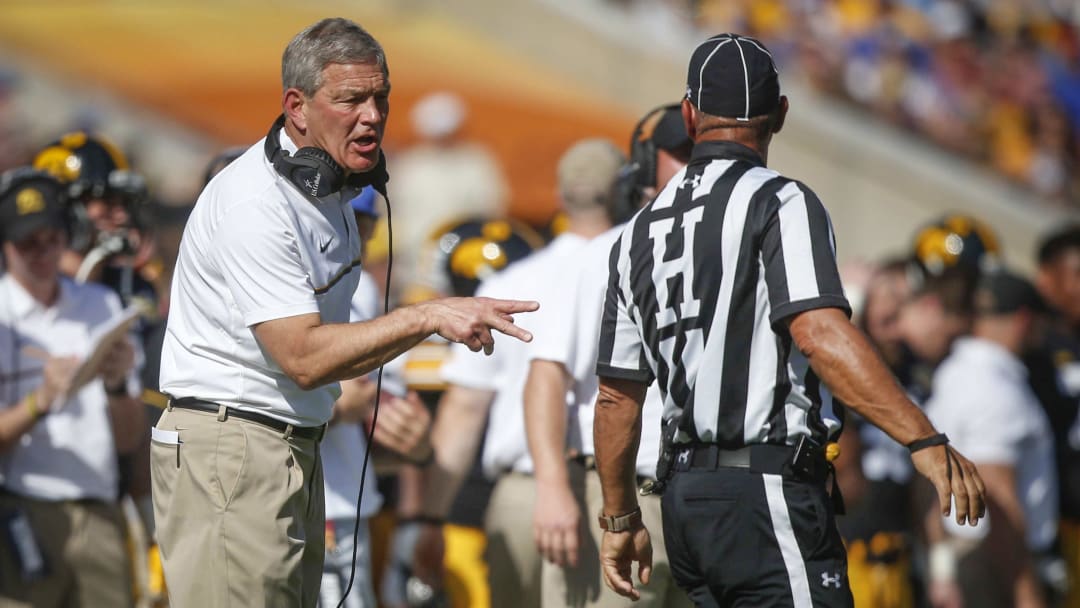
(317, 175)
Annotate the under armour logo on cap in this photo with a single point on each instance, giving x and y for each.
(734, 77)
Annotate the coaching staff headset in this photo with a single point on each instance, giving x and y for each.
(710, 287)
(258, 334)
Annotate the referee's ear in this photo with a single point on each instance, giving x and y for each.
(688, 111)
(781, 114)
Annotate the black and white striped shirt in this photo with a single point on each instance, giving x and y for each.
(701, 282)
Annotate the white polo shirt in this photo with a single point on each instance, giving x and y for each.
(505, 371)
(574, 342)
(344, 444)
(254, 250)
(982, 401)
(70, 453)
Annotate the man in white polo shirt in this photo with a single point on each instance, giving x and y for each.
(259, 334)
(982, 400)
(62, 539)
(490, 389)
(563, 359)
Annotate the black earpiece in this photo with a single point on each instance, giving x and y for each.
(639, 172)
(316, 174)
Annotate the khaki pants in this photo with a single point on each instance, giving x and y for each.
(513, 561)
(86, 559)
(239, 512)
(584, 585)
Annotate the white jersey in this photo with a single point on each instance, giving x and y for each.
(573, 342)
(982, 401)
(343, 446)
(256, 250)
(537, 277)
(70, 454)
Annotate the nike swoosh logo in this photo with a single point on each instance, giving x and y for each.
(326, 245)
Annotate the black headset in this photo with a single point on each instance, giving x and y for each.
(317, 175)
(13, 179)
(639, 172)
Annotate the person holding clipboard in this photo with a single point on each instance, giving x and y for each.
(67, 380)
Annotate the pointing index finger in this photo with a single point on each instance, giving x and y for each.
(512, 306)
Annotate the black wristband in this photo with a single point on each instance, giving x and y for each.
(927, 442)
(120, 390)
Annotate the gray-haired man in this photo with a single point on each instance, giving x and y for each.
(259, 334)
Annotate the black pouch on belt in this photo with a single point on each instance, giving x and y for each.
(808, 461)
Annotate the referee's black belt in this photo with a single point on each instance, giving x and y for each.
(314, 433)
(765, 459)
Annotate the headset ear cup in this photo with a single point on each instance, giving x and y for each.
(319, 173)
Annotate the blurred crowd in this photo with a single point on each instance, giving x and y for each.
(995, 358)
(997, 81)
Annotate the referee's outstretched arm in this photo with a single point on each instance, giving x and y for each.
(841, 356)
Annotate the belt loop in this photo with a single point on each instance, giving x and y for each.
(288, 431)
(222, 413)
(168, 402)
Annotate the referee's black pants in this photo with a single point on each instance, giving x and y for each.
(736, 538)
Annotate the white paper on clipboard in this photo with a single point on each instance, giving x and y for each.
(101, 341)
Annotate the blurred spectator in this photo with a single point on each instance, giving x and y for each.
(997, 81)
(441, 178)
(454, 260)
(938, 312)
(64, 542)
(982, 401)
(1055, 376)
(112, 244)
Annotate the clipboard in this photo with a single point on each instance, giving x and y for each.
(104, 337)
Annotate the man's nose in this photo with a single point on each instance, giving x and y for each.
(370, 114)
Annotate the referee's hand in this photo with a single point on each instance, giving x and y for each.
(470, 321)
(618, 552)
(954, 477)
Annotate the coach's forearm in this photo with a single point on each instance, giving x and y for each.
(545, 420)
(366, 345)
(313, 354)
(616, 436)
(843, 358)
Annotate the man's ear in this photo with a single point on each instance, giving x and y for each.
(294, 105)
(688, 118)
(781, 114)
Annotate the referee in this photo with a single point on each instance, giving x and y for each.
(728, 269)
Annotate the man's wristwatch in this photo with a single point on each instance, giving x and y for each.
(621, 523)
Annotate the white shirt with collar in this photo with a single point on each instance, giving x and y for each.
(254, 250)
(982, 401)
(537, 277)
(574, 342)
(69, 454)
